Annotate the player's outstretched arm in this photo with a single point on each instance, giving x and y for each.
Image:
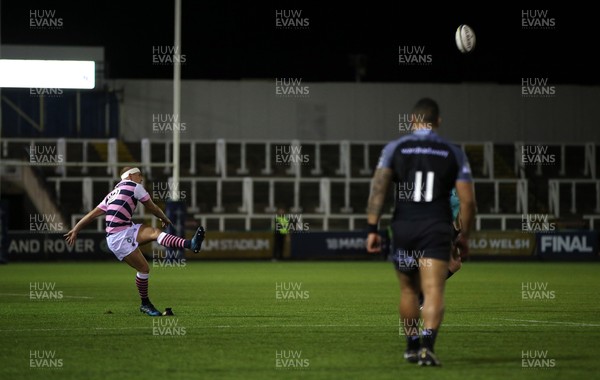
(90, 216)
(156, 211)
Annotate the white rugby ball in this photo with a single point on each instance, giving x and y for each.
(465, 38)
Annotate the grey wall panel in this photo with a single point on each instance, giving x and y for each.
(360, 111)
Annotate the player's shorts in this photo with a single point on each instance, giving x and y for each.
(413, 240)
(124, 242)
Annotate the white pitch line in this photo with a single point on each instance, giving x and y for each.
(77, 329)
(27, 295)
(294, 326)
(574, 324)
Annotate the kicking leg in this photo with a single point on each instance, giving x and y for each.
(147, 234)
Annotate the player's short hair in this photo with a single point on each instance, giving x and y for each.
(429, 109)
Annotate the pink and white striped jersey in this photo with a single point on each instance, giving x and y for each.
(120, 204)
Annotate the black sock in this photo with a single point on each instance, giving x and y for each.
(450, 273)
(428, 339)
(412, 342)
(146, 301)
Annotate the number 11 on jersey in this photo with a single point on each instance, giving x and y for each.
(428, 186)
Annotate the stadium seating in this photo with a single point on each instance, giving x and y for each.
(239, 185)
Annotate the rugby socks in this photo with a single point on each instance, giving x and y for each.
(413, 342)
(172, 241)
(428, 338)
(141, 281)
(412, 332)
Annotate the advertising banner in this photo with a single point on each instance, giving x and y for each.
(501, 243)
(25, 246)
(234, 245)
(567, 245)
(332, 245)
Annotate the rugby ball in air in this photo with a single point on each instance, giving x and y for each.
(465, 38)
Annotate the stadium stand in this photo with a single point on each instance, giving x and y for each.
(238, 185)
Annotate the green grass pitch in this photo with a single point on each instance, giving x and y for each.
(237, 320)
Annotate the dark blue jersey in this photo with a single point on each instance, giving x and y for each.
(425, 169)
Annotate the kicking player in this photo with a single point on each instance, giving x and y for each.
(422, 232)
(124, 237)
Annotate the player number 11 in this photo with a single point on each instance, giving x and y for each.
(428, 186)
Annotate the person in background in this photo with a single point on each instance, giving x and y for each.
(281, 232)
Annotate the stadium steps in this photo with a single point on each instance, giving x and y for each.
(36, 190)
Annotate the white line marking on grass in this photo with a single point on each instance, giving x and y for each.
(575, 324)
(77, 329)
(27, 295)
(502, 325)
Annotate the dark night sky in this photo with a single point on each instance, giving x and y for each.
(233, 41)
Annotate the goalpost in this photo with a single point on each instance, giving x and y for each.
(175, 207)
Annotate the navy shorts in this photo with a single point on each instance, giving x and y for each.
(415, 239)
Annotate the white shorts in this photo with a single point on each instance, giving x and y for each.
(124, 242)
